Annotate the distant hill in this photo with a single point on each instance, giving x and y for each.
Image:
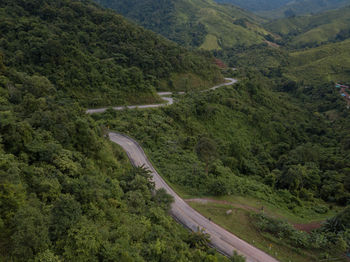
(326, 63)
(95, 56)
(193, 23)
(256, 5)
(302, 7)
(313, 30)
(287, 8)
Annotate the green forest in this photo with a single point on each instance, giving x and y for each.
(201, 24)
(255, 141)
(95, 56)
(274, 148)
(67, 194)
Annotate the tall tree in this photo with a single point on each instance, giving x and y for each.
(206, 151)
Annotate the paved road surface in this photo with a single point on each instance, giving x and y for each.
(170, 101)
(220, 238)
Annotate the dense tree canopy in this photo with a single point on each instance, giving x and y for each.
(67, 194)
(93, 55)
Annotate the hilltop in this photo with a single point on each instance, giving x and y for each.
(202, 24)
(95, 56)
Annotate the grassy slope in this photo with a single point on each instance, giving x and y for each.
(276, 8)
(219, 21)
(312, 29)
(301, 7)
(221, 28)
(240, 223)
(256, 5)
(329, 62)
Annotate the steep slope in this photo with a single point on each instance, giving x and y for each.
(196, 23)
(313, 30)
(286, 8)
(66, 194)
(95, 56)
(250, 141)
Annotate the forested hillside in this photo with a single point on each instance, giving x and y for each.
(279, 137)
(254, 142)
(313, 30)
(324, 64)
(286, 8)
(95, 56)
(256, 5)
(193, 23)
(303, 7)
(330, 62)
(67, 194)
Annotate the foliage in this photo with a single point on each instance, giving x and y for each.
(269, 145)
(237, 258)
(303, 7)
(313, 30)
(92, 55)
(67, 194)
(196, 23)
(254, 5)
(329, 62)
(273, 9)
(206, 151)
(335, 242)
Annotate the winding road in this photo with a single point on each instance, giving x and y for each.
(165, 96)
(224, 241)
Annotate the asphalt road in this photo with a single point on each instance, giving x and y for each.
(164, 95)
(221, 239)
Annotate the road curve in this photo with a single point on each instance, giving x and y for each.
(164, 95)
(224, 241)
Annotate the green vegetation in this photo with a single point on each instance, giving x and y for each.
(240, 223)
(303, 7)
(315, 66)
(267, 59)
(249, 141)
(280, 135)
(67, 194)
(287, 8)
(313, 30)
(256, 5)
(274, 236)
(326, 63)
(221, 31)
(193, 23)
(94, 56)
